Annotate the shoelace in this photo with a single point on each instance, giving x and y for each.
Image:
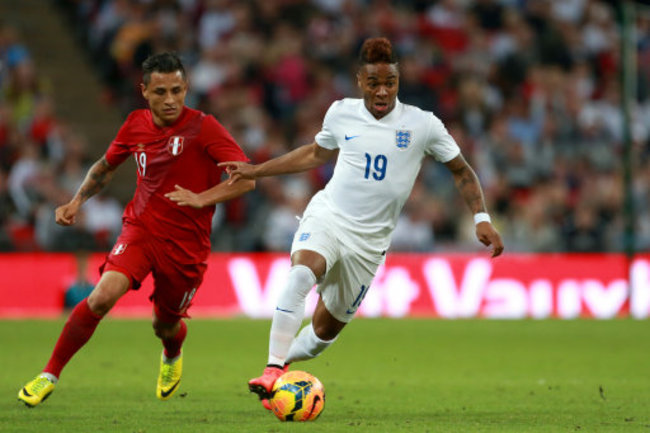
(41, 383)
(168, 372)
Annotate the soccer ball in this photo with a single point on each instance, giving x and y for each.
(297, 396)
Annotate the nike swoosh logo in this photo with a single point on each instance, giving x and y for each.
(313, 406)
(286, 311)
(350, 137)
(26, 393)
(170, 390)
(351, 312)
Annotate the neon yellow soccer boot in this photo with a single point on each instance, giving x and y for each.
(169, 377)
(36, 391)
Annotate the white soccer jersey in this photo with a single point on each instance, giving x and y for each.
(378, 162)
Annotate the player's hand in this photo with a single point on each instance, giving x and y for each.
(184, 197)
(238, 170)
(487, 234)
(65, 215)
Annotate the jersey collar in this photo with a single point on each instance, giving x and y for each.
(177, 122)
(390, 117)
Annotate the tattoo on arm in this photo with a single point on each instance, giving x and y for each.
(470, 188)
(96, 179)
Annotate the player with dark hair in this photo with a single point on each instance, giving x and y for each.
(166, 226)
(164, 63)
(346, 228)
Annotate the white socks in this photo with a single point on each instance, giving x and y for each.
(49, 376)
(307, 345)
(167, 360)
(289, 313)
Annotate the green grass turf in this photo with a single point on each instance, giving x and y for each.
(381, 376)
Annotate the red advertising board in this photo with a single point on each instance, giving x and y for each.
(426, 285)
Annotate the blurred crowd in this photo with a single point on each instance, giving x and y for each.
(43, 160)
(529, 88)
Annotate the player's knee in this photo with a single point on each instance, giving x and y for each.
(99, 304)
(301, 280)
(108, 291)
(160, 332)
(164, 330)
(316, 263)
(101, 301)
(325, 325)
(326, 331)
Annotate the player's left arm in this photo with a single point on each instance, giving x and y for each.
(469, 187)
(219, 193)
(219, 146)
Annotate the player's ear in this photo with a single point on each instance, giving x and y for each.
(143, 89)
(359, 79)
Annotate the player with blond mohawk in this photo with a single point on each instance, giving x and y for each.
(346, 229)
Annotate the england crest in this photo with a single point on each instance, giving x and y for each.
(175, 145)
(402, 139)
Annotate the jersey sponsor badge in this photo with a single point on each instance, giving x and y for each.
(175, 145)
(402, 138)
(119, 249)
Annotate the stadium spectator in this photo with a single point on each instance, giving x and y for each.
(6, 213)
(23, 180)
(347, 227)
(166, 226)
(281, 222)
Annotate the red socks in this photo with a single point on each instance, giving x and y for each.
(173, 345)
(78, 329)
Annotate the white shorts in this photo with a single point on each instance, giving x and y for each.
(348, 274)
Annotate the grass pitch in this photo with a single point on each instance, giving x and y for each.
(381, 376)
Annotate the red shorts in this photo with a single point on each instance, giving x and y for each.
(136, 253)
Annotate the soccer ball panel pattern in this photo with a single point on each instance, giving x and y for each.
(297, 396)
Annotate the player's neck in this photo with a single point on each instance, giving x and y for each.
(160, 123)
(383, 114)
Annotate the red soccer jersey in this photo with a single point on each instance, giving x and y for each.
(186, 154)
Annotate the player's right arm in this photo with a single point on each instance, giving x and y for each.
(301, 159)
(98, 176)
